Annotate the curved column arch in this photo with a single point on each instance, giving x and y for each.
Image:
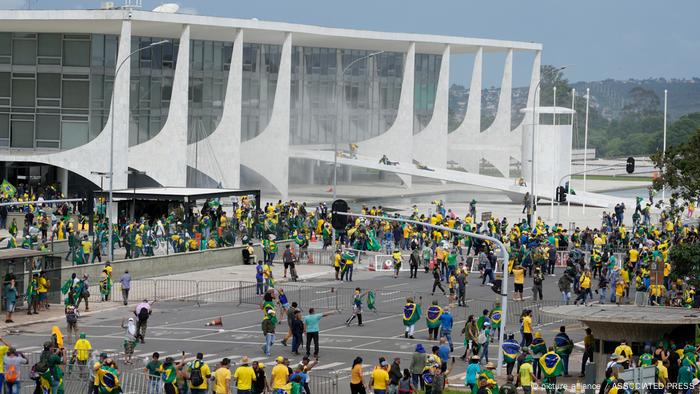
(268, 152)
(497, 135)
(430, 145)
(468, 131)
(94, 155)
(397, 141)
(223, 163)
(517, 133)
(162, 157)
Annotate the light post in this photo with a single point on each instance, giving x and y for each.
(504, 255)
(111, 143)
(535, 121)
(339, 122)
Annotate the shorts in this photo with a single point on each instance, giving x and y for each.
(518, 287)
(452, 291)
(10, 306)
(129, 347)
(286, 264)
(357, 308)
(337, 269)
(170, 388)
(43, 296)
(285, 305)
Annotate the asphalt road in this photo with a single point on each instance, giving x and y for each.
(181, 326)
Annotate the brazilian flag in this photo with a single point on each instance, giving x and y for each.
(510, 349)
(432, 317)
(551, 365)
(371, 298)
(496, 317)
(411, 314)
(563, 344)
(538, 346)
(7, 189)
(647, 359)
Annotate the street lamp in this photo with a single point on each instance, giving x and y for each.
(535, 121)
(111, 143)
(339, 123)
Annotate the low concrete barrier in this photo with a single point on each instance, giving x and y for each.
(147, 267)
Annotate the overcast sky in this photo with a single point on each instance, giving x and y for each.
(600, 38)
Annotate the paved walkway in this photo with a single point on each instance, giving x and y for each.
(168, 286)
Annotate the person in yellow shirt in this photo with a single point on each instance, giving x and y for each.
(336, 264)
(357, 383)
(279, 375)
(585, 287)
(244, 377)
(199, 373)
(87, 248)
(527, 327)
(661, 373)
(624, 350)
(222, 378)
(43, 290)
(380, 377)
(82, 351)
(518, 282)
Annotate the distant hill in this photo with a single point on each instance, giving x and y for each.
(609, 96)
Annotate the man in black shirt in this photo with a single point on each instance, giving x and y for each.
(260, 384)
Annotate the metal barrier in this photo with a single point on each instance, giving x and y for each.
(323, 384)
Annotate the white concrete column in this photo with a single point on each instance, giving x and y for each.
(518, 134)
(223, 164)
(268, 152)
(499, 131)
(62, 175)
(460, 140)
(430, 145)
(163, 157)
(120, 112)
(397, 141)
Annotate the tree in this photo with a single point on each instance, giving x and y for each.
(680, 171)
(685, 259)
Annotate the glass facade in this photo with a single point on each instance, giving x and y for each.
(427, 73)
(55, 89)
(210, 62)
(261, 65)
(371, 91)
(152, 74)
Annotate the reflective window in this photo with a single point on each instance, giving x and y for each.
(260, 68)
(207, 86)
(76, 94)
(74, 134)
(24, 51)
(50, 45)
(23, 93)
(48, 127)
(48, 85)
(76, 53)
(22, 134)
(427, 69)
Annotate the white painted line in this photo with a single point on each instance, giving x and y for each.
(29, 349)
(396, 285)
(258, 359)
(367, 344)
(328, 366)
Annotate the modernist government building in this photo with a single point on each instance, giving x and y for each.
(228, 101)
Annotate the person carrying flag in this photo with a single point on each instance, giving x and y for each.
(356, 307)
(411, 314)
(538, 348)
(371, 299)
(552, 367)
(496, 317)
(510, 350)
(348, 258)
(396, 257)
(563, 346)
(432, 320)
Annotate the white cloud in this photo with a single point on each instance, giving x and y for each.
(13, 4)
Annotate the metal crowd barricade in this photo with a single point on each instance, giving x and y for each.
(135, 382)
(323, 384)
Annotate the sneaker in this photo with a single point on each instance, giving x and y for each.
(411, 336)
(284, 342)
(405, 334)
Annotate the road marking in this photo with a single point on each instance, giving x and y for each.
(29, 349)
(258, 359)
(396, 285)
(367, 344)
(328, 366)
(364, 322)
(211, 317)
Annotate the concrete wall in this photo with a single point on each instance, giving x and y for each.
(147, 267)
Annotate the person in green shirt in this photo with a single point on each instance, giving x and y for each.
(32, 295)
(646, 360)
(168, 375)
(152, 372)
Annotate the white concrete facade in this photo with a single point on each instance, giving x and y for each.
(164, 157)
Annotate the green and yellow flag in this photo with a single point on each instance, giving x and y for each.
(7, 189)
(552, 365)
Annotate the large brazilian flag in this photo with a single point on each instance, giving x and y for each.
(411, 314)
(510, 349)
(432, 316)
(551, 365)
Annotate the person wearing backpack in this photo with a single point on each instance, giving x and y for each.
(13, 361)
(71, 323)
(198, 373)
(142, 312)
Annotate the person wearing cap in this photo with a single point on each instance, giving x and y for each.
(379, 381)
(487, 372)
(279, 375)
(484, 340)
(418, 360)
(244, 377)
(510, 350)
(472, 373)
(260, 383)
(526, 375)
(82, 349)
(95, 363)
(268, 328)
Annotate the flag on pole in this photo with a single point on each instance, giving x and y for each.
(371, 298)
(7, 189)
